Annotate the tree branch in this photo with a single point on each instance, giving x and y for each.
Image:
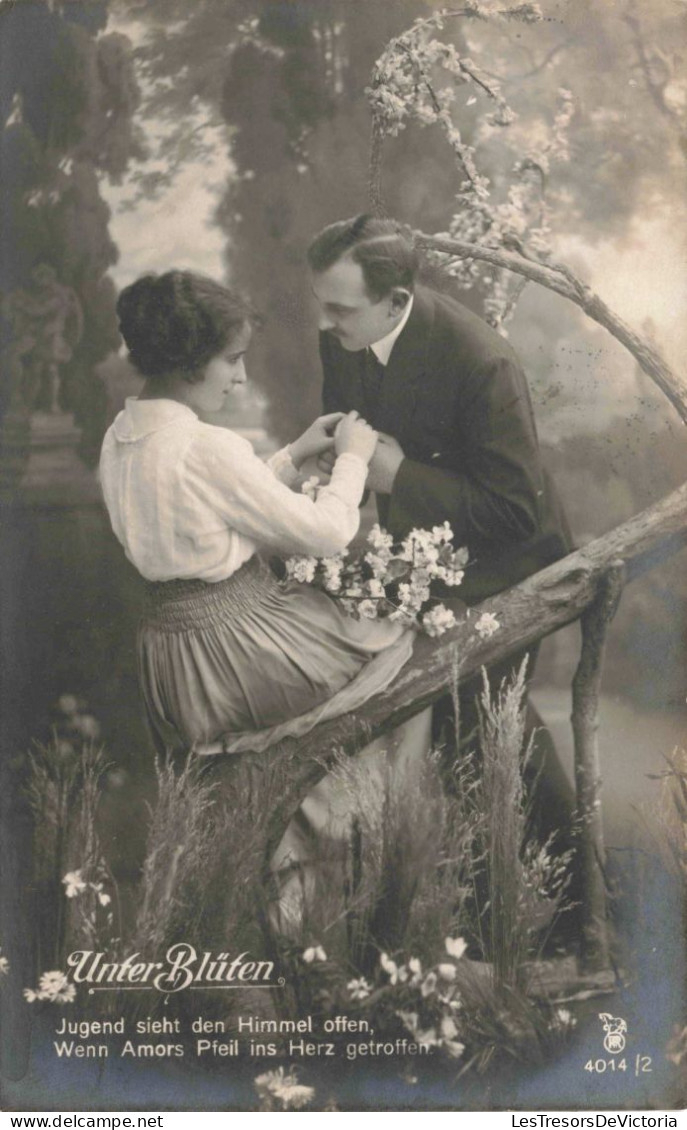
(595, 622)
(561, 280)
(540, 605)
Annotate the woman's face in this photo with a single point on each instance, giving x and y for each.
(222, 375)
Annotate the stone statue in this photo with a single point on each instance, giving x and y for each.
(46, 324)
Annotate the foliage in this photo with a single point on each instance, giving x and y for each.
(68, 100)
(64, 782)
(405, 886)
(571, 126)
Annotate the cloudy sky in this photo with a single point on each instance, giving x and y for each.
(176, 229)
(642, 276)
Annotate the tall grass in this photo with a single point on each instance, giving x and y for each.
(519, 883)
(409, 864)
(63, 789)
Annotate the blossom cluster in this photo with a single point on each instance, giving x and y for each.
(54, 987)
(390, 580)
(408, 84)
(283, 1086)
(75, 884)
(432, 1002)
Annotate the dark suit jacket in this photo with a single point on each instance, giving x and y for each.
(456, 399)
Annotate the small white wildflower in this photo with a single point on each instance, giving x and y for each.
(74, 884)
(104, 899)
(447, 972)
(314, 953)
(368, 609)
(359, 989)
(30, 995)
(455, 947)
(396, 972)
(54, 986)
(429, 984)
(448, 1028)
(487, 625)
(454, 1048)
(415, 967)
(4, 964)
(284, 1087)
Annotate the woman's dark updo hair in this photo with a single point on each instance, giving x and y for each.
(177, 322)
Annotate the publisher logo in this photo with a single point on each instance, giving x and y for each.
(615, 1028)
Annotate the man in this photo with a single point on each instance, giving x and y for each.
(457, 436)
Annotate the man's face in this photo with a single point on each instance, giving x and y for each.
(346, 309)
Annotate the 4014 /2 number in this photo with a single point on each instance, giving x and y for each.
(642, 1064)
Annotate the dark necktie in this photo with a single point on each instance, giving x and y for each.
(373, 375)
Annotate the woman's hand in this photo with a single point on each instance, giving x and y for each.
(355, 436)
(317, 438)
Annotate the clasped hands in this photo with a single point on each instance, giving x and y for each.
(328, 436)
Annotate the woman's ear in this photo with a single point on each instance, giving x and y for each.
(400, 298)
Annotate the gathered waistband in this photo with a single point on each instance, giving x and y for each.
(182, 605)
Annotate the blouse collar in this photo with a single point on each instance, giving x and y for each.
(140, 418)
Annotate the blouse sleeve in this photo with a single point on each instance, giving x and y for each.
(282, 466)
(222, 469)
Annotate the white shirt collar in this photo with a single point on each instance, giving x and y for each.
(139, 418)
(382, 348)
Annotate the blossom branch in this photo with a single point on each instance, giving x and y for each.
(560, 279)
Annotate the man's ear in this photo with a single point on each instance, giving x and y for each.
(400, 298)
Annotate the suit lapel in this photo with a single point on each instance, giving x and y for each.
(406, 369)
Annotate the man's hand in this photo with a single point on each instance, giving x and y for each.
(325, 463)
(384, 464)
(310, 468)
(316, 439)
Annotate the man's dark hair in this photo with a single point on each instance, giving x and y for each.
(179, 321)
(387, 256)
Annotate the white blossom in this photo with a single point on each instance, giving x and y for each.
(438, 620)
(74, 884)
(487, 625)
(54, 986)
(455, 947)
(314, 953)
(359, 989)
(429, 984)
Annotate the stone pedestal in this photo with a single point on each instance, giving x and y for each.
(44, 451)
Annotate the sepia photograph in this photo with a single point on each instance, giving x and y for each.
(343, 460)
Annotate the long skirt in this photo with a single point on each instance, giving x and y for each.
(242, 663)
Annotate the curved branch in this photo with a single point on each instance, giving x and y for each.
(561, 280)
(533, 609)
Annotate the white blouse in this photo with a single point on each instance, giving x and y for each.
(188, 499)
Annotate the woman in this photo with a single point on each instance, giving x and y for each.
(225, 653)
